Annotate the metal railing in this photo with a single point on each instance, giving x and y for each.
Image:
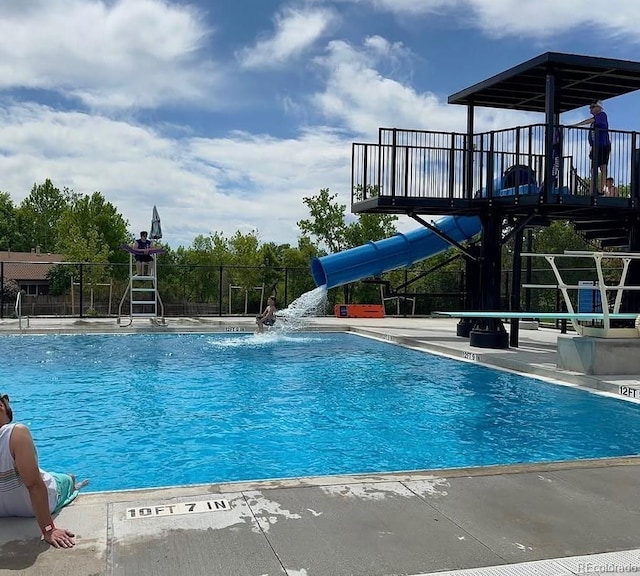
(18, 310)
(425, 164)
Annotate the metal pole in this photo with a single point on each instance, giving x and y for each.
(469, 153)
(550, 119)
(220, 292)
(1, 290)
(81, 288)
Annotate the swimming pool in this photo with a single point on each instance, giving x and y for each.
(145, 410)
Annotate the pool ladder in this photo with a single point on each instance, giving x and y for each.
(144, 298)
(19, 315)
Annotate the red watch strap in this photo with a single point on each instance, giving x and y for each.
(48, 528)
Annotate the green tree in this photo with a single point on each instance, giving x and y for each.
(327, 221)
(10, 235)
(10, 289)
(40, 214)
(327, 226)
(92, 221)
(297, 261)
(246, 258)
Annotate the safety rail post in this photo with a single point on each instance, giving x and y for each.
(365, 169)
(380, 159)
(220, 291)
(635, 171)
(530, 148)
(81, 298)
(489, 170)
(469, 153)
(393, 162)
(355, 165)
(452, 163)
(517, 160)
(406, 171)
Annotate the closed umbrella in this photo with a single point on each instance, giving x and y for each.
(156, 229)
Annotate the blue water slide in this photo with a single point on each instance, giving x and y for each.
(398, 251)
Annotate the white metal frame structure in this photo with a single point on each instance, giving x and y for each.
(150, 303)
(609, 311)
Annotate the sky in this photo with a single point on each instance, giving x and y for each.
(225, 114)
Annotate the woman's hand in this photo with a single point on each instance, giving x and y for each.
(60, 538)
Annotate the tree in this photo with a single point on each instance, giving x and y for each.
(40, 214)
(10, 289)
(96, 223)
(327, 221)
(10, 236)
(299, 259)
(328, 226)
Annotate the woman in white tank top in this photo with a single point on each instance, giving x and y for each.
(25, 489)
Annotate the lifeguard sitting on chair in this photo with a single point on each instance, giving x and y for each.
(144, 261)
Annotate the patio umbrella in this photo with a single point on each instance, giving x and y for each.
(156, 229)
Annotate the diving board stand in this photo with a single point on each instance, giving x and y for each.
(597, 349)
(142, 291)
(609, 311)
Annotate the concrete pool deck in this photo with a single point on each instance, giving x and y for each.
(548, 519)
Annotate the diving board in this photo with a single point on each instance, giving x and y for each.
(579, 316)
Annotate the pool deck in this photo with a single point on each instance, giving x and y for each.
(547, 519)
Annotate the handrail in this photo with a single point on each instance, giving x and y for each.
(19, 310)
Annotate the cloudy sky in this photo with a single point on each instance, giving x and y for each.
(225, 114)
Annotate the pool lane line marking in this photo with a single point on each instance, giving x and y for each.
(157, 510)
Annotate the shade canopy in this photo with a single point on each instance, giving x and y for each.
(579, 80)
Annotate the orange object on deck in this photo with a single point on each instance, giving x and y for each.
(358, 311)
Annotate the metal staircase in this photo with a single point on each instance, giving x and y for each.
(142, 295)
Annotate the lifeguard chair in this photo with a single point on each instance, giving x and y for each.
(142, 290)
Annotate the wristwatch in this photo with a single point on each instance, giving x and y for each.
(48, 528)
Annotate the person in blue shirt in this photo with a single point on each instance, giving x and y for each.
(143, 259)
(599, 140)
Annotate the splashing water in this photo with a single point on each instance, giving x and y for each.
(309, 304)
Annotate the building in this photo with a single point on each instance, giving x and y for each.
(29, 269)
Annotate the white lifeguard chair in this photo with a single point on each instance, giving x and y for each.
(142, 292)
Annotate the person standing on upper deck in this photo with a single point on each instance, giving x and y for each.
(599, 140)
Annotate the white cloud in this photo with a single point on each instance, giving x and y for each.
(529, 18)
(295, 31)
(200, 185)
(376, 100)
(545, 18)
(127, 53)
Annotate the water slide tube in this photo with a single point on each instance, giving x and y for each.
(403, 250)
(398, 251)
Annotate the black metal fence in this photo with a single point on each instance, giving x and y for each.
(200, 291)
(426, 164)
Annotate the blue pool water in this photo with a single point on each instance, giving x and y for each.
(144, 410)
